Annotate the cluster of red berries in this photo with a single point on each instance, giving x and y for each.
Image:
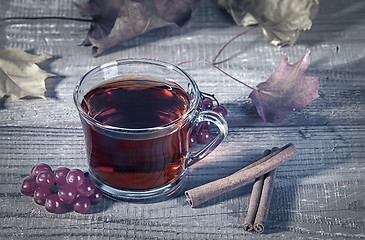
(201, 132)
(63, 186)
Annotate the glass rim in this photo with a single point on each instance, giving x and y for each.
(192, 106)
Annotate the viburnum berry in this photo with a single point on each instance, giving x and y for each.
(28, 186)
(45, 179)
(204, 136)
(221, 110)
(96, 197)
(87, 188)
(40, 195)
(82, 204)
(67, 193)
(75, 177)
(42, 167)
(207, 103)
(60, 175)
(53, 204)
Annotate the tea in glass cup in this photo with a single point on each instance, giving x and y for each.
(136, 116)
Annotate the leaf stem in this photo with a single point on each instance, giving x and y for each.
(46, 17)
(220, 51)
(227, 43)
(225, 73)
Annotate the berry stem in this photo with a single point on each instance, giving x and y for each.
(203, 94)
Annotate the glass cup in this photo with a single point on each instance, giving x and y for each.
(142, 162)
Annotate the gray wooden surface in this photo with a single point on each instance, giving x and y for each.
(320, 194)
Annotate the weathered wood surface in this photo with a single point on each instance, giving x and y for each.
(320, 194)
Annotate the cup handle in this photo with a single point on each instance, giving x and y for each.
(221, 123)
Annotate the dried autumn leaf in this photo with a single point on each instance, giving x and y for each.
(115, 21)
(287, 90)
(281, 20)
(19, 74)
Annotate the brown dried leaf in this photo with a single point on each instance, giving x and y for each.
(19, 74)
(115, 21)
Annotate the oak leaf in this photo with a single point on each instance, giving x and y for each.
(115, 21)
(20, 76)
(287, 90)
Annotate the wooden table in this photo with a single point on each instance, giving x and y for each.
(319, 194)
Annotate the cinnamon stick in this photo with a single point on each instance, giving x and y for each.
(265, 200)
(203, 193)
(254, 200)
(254, 204)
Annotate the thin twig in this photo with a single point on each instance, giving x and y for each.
(46, 17)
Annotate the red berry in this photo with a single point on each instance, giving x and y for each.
(96, 197)
(207, 103)
(28, 186)
(45, 179)
(193, 140)
(207, 125)
(82, 204)
(40, 195)
(221, 110)
(53, 203)
(75, 177)
(87, 188)
(40, 168)
(67, 193)
(204, 136)
(60, 175)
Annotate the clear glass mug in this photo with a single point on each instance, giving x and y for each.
(143, 162)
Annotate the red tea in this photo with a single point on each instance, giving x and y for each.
(129, 164)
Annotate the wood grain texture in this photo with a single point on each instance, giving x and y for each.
(320, 194)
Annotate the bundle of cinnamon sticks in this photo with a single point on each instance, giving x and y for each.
(262, 171)
(260, 200)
